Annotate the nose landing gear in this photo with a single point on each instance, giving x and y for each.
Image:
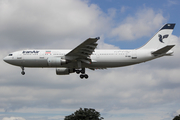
(23, 73)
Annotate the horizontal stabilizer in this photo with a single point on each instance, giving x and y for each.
(163, 50)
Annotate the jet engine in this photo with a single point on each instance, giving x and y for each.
(56, 61)
(64, 71)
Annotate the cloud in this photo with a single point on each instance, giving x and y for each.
(26, 24)
(140, 90)
(171, 3)
(144, 23)
(103, 45)
(13, 118)
(123, 9)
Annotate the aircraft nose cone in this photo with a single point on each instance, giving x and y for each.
(9, 60)
(5, 59)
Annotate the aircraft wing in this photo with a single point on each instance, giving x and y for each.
(83, 51)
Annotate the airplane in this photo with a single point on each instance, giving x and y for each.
(86, 55)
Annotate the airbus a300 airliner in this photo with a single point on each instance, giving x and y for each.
(87, 56)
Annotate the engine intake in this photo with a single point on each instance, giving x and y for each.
(64, 71)
(56, 61)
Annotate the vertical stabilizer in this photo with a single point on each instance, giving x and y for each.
(161, 38)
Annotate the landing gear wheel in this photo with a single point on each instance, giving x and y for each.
(86, 76)
(78, 71)
(23, 73)
(81, 76)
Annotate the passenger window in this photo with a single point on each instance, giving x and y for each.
(10, 54)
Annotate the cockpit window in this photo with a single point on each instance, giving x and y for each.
(10, 54)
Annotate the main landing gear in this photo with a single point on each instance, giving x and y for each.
(23, 73)
(82, 71)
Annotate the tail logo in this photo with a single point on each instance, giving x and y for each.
(162, 37)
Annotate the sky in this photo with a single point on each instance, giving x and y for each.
(145, 91)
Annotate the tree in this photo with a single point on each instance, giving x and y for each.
(177, 118)
(86, 114)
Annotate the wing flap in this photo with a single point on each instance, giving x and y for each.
(163, 50)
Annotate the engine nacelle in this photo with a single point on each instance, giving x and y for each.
(64, 71)
(56, 61)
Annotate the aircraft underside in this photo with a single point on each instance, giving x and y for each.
(70, 67)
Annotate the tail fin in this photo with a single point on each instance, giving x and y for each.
(161, 38)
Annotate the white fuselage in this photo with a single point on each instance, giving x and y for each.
(99, 58)
(85, 55)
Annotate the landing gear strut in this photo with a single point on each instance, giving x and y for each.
(83, 75)
(23, 73)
